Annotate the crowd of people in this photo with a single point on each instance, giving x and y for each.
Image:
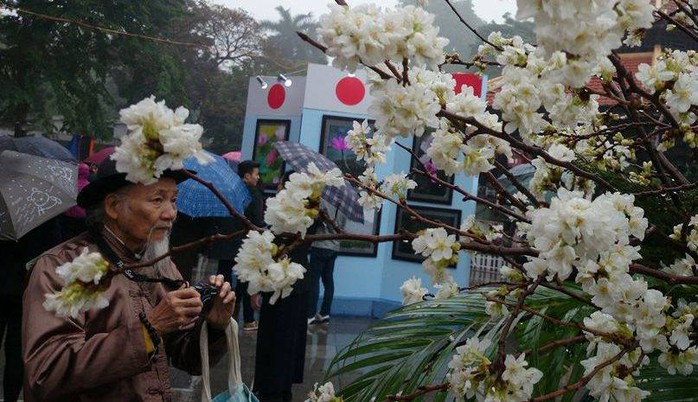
(153, 320)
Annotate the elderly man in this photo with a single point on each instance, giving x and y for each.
(120, 353)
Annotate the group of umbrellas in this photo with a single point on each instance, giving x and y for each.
(38, 181)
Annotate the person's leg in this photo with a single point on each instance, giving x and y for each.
(14, 368)
(241, 292)
(314, 269)
(327, 275)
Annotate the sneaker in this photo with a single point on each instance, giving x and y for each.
(323, 318)
(250, 326)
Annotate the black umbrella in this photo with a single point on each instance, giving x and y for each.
(37, 145)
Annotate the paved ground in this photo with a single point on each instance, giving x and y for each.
(323, 342)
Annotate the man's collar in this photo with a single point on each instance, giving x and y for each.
(119, 247)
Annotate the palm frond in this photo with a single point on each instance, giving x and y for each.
(412, 346)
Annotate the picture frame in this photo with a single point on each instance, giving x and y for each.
(336, 127)
(359, 248)
(271, 166)
(427, 190)
(402, 250)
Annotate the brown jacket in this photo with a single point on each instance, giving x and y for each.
(101, 355)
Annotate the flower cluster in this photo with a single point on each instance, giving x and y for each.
(587, 29)
(366, 34)
(441, 250)
(675, 76)
(257, 264)
(412, 291)
(85, 279)
(470, 375)
(691, 233)
(158, 139)
(294, 208)
(323, 393)
(367, 147)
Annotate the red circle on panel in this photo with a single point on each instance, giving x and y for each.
(276, 96)
(350, 90)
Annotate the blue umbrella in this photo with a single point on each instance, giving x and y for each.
(37, 145)
(196, 200)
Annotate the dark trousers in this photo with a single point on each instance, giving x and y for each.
(11, 329)
(281, 342)
(321, 268)
(225, 268)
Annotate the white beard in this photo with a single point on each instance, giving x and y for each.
(155, 249)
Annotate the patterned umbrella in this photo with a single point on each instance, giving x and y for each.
(32, 191)
(196, 200)
(345, 198)
(37, 145)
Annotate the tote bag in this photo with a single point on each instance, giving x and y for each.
(237, 390)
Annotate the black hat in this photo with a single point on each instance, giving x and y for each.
(108, 180)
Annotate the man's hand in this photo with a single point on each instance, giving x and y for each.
(176, 311)
(222, 309)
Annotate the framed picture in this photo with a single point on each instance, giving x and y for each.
(427, 190)
(402, 250)
(371, 225)
(271, 166)
(333, 145)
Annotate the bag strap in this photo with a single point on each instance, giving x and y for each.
(234, 367)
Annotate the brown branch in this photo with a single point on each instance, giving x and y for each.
(466, 195)
(517, 183)
(662, 190)
(668, 278)
(193, 244)
(582, 381)
(529, 149)
(499, 189)
(504, 335)
(473, 30)
(421, 390)
(557, 344)
(323, 48)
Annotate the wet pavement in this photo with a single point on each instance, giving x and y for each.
(323, 343)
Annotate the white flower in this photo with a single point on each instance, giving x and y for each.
(86, 268)
(446, 289)
(520, 379)
(681, 362)
(157, 140)
(253, 260)
(74, 299)
(323, 393)
(436, 243)
(412, 291)
(396, 185)
(83, 288)
(287, 213)
(283, 275)
(496, 310)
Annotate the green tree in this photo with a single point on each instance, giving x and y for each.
(56, 67)
(287, 45)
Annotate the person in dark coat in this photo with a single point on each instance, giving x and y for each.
(16, 255)
(280, 354)
(225, 251)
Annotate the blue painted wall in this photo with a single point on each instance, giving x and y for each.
(370, 286)
(366, 286)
